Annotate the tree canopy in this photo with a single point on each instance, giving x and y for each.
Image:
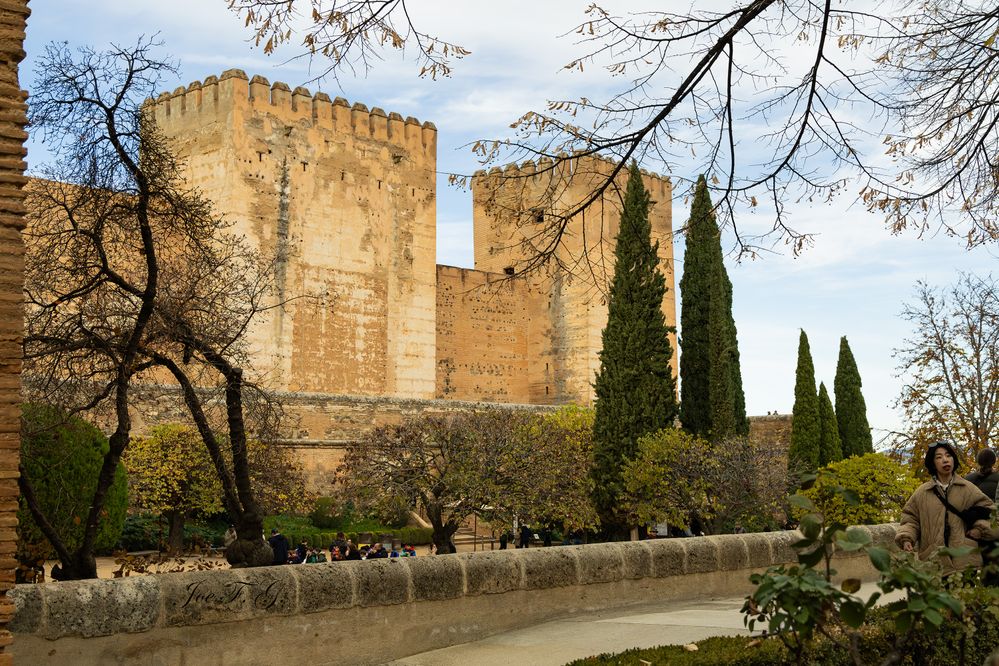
(495, 463)
(830, 447)
(128, 269)
(950, 365)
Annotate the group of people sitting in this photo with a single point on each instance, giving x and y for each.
(951, 511)
(340, 550)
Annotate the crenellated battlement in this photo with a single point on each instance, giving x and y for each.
(217, 96)
(585, 166)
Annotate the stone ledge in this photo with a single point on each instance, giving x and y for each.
(138, 604)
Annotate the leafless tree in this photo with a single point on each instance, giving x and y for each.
(950, 365)
(130, 276)
(775, 100)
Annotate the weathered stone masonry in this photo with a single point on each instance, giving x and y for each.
(13, 16)
(376, 611)
(345, 198)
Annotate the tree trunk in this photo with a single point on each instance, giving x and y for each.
(81, 566)
(175, 536)
(249, 549)
(443, 536)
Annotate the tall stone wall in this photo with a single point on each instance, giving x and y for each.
(492, 338)
(13, 16)
(511, 208)
(344, 199)
(317, 427)
(771, 429)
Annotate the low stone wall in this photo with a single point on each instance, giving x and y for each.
(372, 612)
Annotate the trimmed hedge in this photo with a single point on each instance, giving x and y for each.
(417, 536)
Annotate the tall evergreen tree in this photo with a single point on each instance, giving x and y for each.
(851, 410)
(829, 445)
(805, 428)
(635, 389)
(709, 364)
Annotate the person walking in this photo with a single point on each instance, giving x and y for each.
(279, 544)
(946, 511)
(526, 536)
(985, 477)
(987, 480)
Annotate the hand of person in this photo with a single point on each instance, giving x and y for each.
(975, 533)
(907, 546)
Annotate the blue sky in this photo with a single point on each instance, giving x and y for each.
(852, 282)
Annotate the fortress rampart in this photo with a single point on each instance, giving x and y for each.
(513, 210)
(221, 95)
(345, 198)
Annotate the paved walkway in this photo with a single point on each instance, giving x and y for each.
(557, 642)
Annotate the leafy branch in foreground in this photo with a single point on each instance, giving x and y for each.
(798, 603)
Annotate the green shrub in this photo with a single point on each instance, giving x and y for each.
(329, 514)
(141, 532)
(882, 486)
(149, 532)
(62, 457)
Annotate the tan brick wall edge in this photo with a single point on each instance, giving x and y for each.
(13, 17)
(373, 612)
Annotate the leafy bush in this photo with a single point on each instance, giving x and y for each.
(62, 456)
(725, 483)
(882, 487)
(330, 513)
(141, 532)
(148, 532)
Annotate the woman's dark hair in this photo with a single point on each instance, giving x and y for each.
(931, 451)
(986, 459)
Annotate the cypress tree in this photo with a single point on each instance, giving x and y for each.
(635, 389)
(829, 445)
(709, 364)
(805, 429)
(851, 410)
(720, 385)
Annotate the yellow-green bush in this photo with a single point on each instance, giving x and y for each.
(882, 485)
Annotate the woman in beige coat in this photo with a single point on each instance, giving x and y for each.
(927, 524)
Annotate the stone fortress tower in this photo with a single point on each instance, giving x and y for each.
(570, 310)
(345, 199)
